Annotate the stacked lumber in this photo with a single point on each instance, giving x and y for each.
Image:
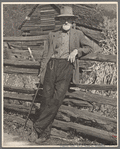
(43, 19)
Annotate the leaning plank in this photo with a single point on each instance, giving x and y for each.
(83, 114)
(96, 87)
(100, 57)
(86, 130)
(16, 39)
(93, 97)
(85, 96)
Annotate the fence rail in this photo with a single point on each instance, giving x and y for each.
(74, 99)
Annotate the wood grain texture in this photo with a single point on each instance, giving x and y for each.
(16, 39)
(86, 130)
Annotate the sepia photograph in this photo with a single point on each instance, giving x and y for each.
(59, 74)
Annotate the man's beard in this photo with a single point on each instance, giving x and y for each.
(66, 27)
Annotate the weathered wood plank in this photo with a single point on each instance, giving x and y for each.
(77, 103)
(18, 96)
(19, 90)
(47, 11)
(93, 97)
(36, 33)
(100, 57)
(16, 39)
(96, 86)
(83, 114)
(86, 130)
(83, 96)
(24, 64)
(16, 70)
(25, 109)
(105, 136)
(26, 28)
(42, 24)
(70, 111)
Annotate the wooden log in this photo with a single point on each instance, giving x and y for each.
(86, 115)
(50, 16)
(93, 97)
(95, 35)
(75, 102)
(23, 64)
(27, 43)
(105, 136)
(79, 95)
(36, 33)
(86, 130)
(19, 90)
(18, 96)
(104, 87)
(16, 39)
(16, 70)
(70, 111)
(25, 109)
(42, 24)
(100, 57)
(47, 11)
(26, 28)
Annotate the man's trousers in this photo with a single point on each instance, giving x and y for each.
(56, 82)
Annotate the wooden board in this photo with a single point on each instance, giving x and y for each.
(18, 39)
(85, 96)
(93, 97)
(74, 112)
(97, 87)
(22, 64)
(11, 70)
(105, 136)
(100, 57)
(25, 28)
(95, 133)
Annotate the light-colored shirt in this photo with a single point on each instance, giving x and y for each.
(62, 49)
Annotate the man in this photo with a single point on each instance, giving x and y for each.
(60, 63)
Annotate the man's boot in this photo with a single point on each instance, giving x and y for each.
(33, 136)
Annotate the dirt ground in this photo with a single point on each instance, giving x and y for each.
(15, 136)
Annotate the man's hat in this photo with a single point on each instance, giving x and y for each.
(66, 11)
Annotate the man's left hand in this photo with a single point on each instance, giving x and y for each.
(73, 55)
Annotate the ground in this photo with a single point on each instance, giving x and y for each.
(14, 135)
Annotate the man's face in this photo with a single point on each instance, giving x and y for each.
(66, 22)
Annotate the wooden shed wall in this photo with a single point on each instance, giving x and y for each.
(41, 21)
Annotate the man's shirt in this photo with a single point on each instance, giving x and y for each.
(62, 47)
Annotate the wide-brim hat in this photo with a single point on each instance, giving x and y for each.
(66, 11)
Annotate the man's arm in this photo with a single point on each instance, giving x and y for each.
(86, 45)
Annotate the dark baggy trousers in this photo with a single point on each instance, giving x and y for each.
(56, 82)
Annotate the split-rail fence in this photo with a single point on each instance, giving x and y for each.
(75, 97)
